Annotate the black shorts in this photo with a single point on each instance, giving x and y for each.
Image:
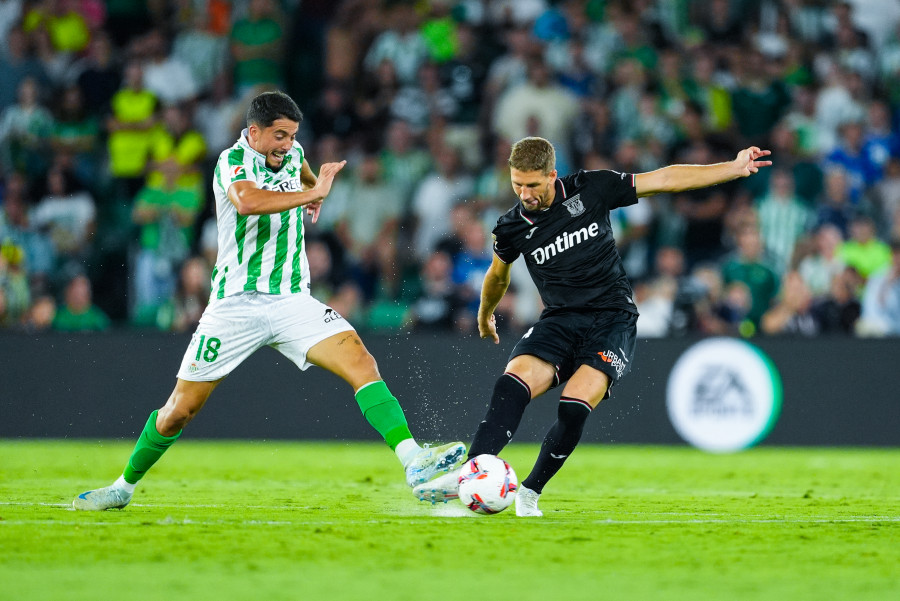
(603, 340)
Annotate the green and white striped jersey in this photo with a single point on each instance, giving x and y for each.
(258, 252)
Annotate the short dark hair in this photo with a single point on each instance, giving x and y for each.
(269, 106)
(533, 154)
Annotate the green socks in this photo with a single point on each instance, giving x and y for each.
(383, 412)
(149, 448)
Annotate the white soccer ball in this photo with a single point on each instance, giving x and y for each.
(487, 484)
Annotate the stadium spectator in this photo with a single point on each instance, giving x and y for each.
(182, 313)
(17, 64)
(749, 267)
(165, 75)
(783, 219)
(703, 213)
(864, 252)
(14, 287)
(130, 127)
(166, 209)
(68, 213)
(471, 263)
(438, 301)
(849, 155)
(881, 300)
(793, 312)
(202, 50)
(822, 264)
(40, 315)
(78, 312)
(426, 103)
(257, 47)
(16, 226)
(445, 186)
(538, 107)
(401, 44)
(25, 128)
(403, 162)
(76, 136)
(838, 310)
(67, 29)
(835, 207)
(371, 243)
(98, 75)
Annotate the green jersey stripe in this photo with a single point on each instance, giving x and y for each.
(281, 250)
(254, 265)
(240, 234)
(296, 272)
(236, 156)
(221, 291)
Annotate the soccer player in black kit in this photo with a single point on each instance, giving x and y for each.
(586, 334)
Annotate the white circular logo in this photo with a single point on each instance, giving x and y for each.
(723, 395)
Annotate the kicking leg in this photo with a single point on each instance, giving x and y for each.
(345, 355)
(526, 377)
(160, 432)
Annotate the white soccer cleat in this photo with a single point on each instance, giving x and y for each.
(433, 461)
(440, 490)
(526, 503)
(109, 497)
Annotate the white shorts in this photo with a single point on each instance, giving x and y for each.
(232, 328)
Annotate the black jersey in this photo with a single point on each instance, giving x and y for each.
(569, 248)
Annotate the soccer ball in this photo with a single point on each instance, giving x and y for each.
(487, 484)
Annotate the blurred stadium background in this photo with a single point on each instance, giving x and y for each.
(112, 114)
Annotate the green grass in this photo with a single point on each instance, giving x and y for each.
(283, 520)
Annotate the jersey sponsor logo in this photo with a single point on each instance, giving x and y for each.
(575, 206)
(291, 185)
(331, 315)
(564, 242)
(237, 171)
(616, 362)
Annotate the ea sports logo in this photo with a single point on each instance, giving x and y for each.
(723, 395)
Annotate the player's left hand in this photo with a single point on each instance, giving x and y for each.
(748, 162)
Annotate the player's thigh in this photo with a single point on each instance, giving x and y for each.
(608, 346)
(230, 330)
(534, 371)
(308, 332)
(587, 384)
(547, 351)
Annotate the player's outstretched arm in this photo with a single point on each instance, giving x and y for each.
(248, 199)
(678, 178)
(496, 281)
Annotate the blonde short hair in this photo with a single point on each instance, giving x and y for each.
(533, 154)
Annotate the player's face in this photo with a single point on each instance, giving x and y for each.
(534, 188)
(274, 141)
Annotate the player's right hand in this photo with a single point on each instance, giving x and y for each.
(488, 329)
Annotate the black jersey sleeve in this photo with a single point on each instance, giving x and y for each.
(503, 246)
(615, 188)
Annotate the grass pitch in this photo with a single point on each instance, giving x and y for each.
(285, 520)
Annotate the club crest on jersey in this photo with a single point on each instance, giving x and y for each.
(575, 206)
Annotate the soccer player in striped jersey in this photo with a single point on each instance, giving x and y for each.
(260, 296)
(586, 334)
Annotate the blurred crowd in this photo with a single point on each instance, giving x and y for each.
(112, 115)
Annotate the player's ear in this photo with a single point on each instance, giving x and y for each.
(552, 175)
